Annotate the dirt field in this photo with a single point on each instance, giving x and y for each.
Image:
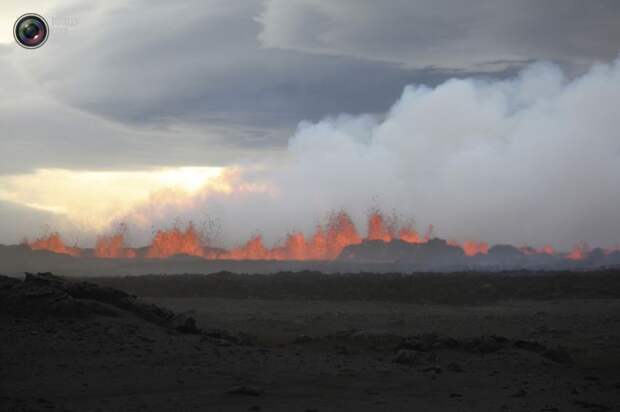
(320, 355)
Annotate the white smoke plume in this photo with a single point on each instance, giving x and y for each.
(534, 159)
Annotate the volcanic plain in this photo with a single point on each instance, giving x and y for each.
(307, 341)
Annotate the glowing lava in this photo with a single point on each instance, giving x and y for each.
(325, 243)
(175, 241)
(113, 247)
(471, 247)
(579, 252)
(378, 229)
(54, 243)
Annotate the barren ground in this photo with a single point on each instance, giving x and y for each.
(320, 355)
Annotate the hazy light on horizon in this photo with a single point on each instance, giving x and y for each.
(93, 199)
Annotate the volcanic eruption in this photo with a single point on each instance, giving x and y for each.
(325, 243)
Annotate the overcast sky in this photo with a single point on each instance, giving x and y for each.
(153, 86)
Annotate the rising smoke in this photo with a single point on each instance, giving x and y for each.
(534, 159)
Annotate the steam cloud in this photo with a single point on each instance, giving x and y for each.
(534, 159)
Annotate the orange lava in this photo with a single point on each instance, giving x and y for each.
(579, 252)
(378, 229)
(409, 235)
(471, 247)
(113, 247)
(175, 241)
(547, 250)
(340, 233)
(253, 249)
(54, 243)
(326, 243)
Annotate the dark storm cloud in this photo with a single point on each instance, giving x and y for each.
(38, 131)
(446, 33)
(129, 85)
(204, 65)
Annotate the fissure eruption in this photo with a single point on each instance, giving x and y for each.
(324, 244)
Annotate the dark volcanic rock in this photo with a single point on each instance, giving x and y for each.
(485, 344)
(591, 405)
(558, 355)
(531, 346)
(427, 342)
(7, 283)
(44, 294)
(504, 256)
(249, 390)
(434, 252)
(224, 338)
(505, 252)
(185, 324)
(455, 367)
(408, 349)
(409, 357)
(303, 339)
(431, 341)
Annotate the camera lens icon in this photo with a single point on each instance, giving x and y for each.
(31, 31)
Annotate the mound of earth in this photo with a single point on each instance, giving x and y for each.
(44, 294)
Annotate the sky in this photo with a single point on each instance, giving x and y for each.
(497, 121)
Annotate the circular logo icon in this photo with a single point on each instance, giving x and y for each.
(31, 31)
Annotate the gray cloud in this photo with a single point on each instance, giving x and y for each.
(442, 33)
(126, 86)
(40, 132)
(201, 63)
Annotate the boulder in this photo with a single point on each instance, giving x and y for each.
(185, 324)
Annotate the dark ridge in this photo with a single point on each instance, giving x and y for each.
(434, 252)
(373, 256)
(44, 294)
(453, 288)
